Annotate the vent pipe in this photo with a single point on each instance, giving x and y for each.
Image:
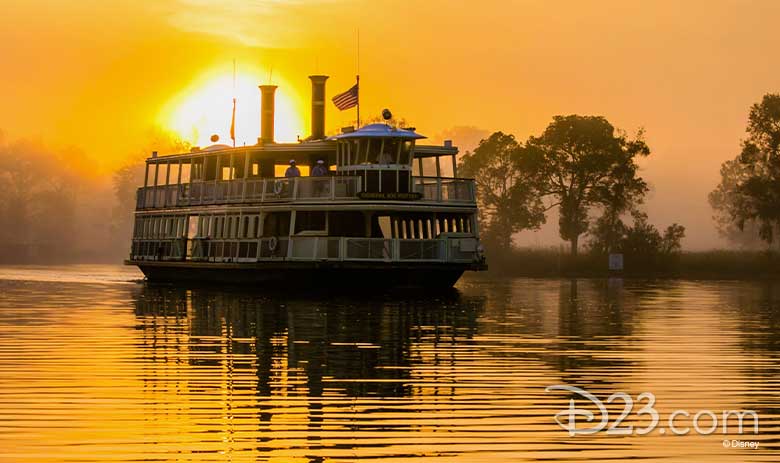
(267, 109)
(318, 107)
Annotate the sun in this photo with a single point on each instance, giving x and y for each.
(204, 108)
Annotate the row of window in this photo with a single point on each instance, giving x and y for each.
(223, 167)
(335, 223)
(160, 227)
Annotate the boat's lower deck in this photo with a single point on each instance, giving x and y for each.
(305, 274)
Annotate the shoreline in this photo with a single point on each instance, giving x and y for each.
(695, 265)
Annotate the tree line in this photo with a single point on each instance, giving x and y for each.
(583, 167)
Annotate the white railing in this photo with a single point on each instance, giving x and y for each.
(432, 189)
(445, 189)
(308, 248)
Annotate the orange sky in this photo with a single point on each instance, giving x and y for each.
(101, 74)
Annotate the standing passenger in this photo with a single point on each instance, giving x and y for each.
(292, 171)
(319, 170)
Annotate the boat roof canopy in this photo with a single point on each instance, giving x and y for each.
(380, 131)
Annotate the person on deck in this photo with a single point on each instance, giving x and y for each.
(293, 170)
(319, 170)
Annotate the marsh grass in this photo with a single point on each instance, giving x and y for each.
(715, 264)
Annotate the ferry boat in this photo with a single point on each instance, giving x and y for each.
(384, 214)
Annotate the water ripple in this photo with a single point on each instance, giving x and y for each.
(95, 367)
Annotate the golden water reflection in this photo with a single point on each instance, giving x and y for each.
(122, 372)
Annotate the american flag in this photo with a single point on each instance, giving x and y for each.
(348, 99)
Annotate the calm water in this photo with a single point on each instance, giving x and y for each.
(97, 366)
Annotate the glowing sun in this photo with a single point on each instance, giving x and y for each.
(205, 108)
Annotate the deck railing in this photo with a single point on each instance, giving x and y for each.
(445, 189)
(307, 248)
(301, 189)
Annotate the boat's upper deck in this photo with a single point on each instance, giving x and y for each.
(376, 162)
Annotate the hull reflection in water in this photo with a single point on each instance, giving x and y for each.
(301, 347)
(121, 372)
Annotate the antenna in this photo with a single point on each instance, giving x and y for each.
(357, 51)
(357, 77)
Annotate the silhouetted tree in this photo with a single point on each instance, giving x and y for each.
(641, 239)
(38, 190)
(580, 162)
(749, 190)
(507, 200)
(726, 202)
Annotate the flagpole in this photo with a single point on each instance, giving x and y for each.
(358, 100)
(233, 121)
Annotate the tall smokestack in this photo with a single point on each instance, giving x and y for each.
(267, 113)
(318, 106)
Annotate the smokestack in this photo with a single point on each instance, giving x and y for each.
(267, 113)
(318, 106)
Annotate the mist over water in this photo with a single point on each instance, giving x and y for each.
(96, 366)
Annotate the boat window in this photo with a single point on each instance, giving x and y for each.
(238, 165)
(446, 167)
(389, 152)
(406, 151)
(216, 227)
(347, 223)
(245, 227)
(310, 221)
(186, 170)
(374, 150)
(277, 224)
(233, 227)
(173, 176)
(192, 228)
(162, 173)
(197, 173)
(210, 168)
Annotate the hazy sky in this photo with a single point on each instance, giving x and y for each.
(100, 75)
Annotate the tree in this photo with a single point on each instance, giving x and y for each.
(580, 162)
(38, 201)
(507, 200)
(726, 203)
(642, 239)
(749, 191)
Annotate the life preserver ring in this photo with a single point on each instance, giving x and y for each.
(278, 187)
(272, 243)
